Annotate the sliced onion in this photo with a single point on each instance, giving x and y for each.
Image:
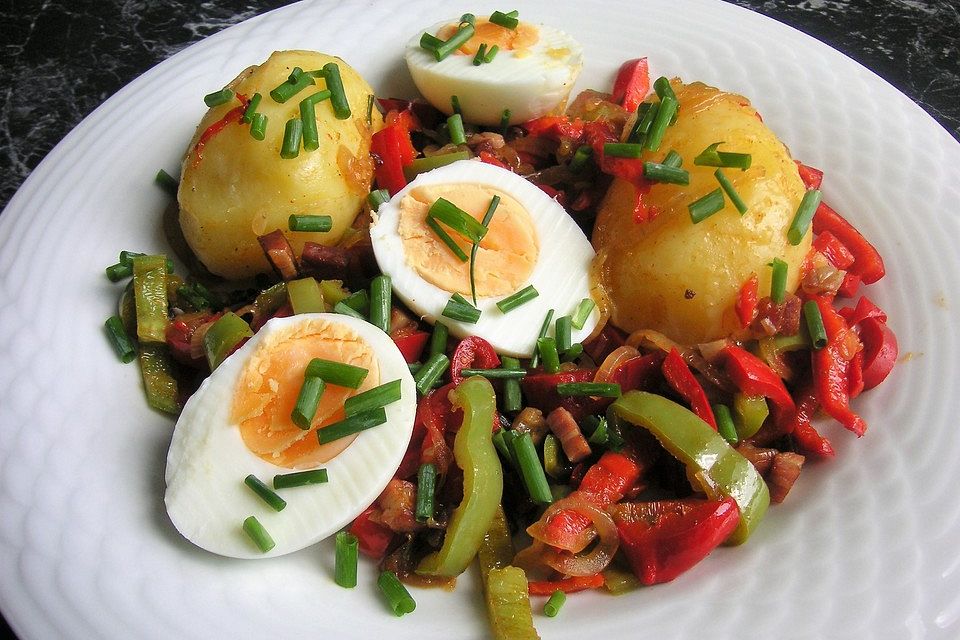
(597, 558)
(610, 364)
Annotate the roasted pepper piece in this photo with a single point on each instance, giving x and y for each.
(158, 380)
(150, 297)
(223, 337)
(754, 378)
(711, 462)
(475, 454)
(830, 377)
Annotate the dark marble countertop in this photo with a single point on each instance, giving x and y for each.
(61, 59)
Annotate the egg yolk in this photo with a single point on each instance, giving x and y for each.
(485, 32)
(507, 253)
(270, 383)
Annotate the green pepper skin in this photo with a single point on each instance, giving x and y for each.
(150, 297)
(222, 336)
(710, 461)
(473, 452)
(749, 412)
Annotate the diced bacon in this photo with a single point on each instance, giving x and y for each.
(783, 473)
(280, 254)
(565, 427)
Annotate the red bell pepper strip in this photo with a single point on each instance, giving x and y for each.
(746, 305)
(407, 123)
(855, 375)
(812, 178)
(374, 537)
(489, 158)
(880, 351)
(682, 380)
(850, 285)
(808, 441)
(662, 539)
(386, 147)
(632, 84)
(637, 372)
(864, 309)
(540, 390)
(834, 250)
(830, 378)
(753, 377)
(555, 127)
(867, 262)
(567, 585)
(411, 344)
(473, 352)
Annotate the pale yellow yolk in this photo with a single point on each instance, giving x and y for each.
(271, 380)
(507, 253)
(523, 37)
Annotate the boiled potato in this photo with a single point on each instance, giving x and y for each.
(234, 187)
(682, 279)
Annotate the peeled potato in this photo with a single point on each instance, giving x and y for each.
(234, 187)
(682, 279)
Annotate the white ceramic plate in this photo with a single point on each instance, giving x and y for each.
(865, 546)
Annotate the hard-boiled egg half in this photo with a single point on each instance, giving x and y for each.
(239, 423)
(531, 74)
(531, 240)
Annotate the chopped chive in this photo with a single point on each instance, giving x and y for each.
(345, 560)
(429, 163)
(725, 426)
(414, 367)
(354, 424)
(438, 339)
(121, 342)
(672, 159)
(338, 97)
(662, 86)
(455, 104)
(711, 157)
(461, 310)
(563, 333)
(380, 301)
(252, 107)
(289, 87)
(259, 535)
(495, 374)
(582, 312)
(547, 348)
(504, 20)
(447, 240)
(778, 280)
(646, 112)
(599, 389)
(731, 192)
(310, 222)
(469, 18)
(299, 478)
(665, 112)
(377, 197)
(487, 217)
(295, 74)
(426, 486)
(258, 126)
(547, 321)
(308, 119)
(464, 33)
(511, 387)
(307, 401)
(370, 101)
(491, 54)
(457, 219)
(358, 301)
(346, 310)
(658, 172)
(574, 352)
(552, 606)
(167, 182)
(375, 398)
(706, 206)
(804, 216)
(431, 371)
(455, 129)
(292, 134)
(504, 121)
(622, 149)
(514, 300)
(479, 56)
(266, 494)
(398, 598)
(119, 271)
(338, 373)
(218, 98)
(814, 320)
(430, 42)
(580, 158)
(531, 470)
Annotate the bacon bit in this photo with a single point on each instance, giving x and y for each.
(324, 262)
(783, 473)
(778, 319)
(531, 421)
(234, 115)
(397, 502)
(563, 425)
(760, 457)
(280, 254)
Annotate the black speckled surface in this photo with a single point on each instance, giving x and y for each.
(62, 58)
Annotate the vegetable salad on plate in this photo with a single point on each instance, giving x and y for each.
(581, 341)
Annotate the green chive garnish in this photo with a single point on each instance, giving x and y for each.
(309, 222)
(398, 598)
(438, 339)
(292, 134)
(574, 352)
(429, 163)
(731, 192)
(506, 20)
(266, 494)
(307, 401)
(426, 486)
(345, 560)
(359, 301)
(547, 348)
(646, 112)
(514, 300)
(547, 321)
(662, 86)
(338, 98)
(552, 606)
(469, 18)
(259, 535)
(531, 470)
(778, 280)
(658, 172)
(563, 333)
(459, 309)
(814, 320)
(511, 386)
(447, 240)
(580, 158)
(804, 216)
(299, 479)
(218, 98)
(464, 33)
(291, 86)
(672, 159)
(258, 126)
(370, 101)
(455, 104)
(167, 182)
(380, 302)
(495, 374)
(121, 342)
(582, 312)
(622, 149)
(119, 271)
(375, 398)
(600, 389)
(430, 372)
(354, 424)
(347, 310)
(430, 42)
(665, 112)
(479, 56)
(725, 426)
(457, 219)
(487, 217)
(491, 54)
(710, 157)
(504, 121)
(455, 129)
(377, 198)
(706, 206)
(338, 373)
(252, 107)
(308, 119)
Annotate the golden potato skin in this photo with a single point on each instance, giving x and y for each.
(234, 188)
(682, 279)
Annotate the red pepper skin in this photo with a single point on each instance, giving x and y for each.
(638, 372)
(808, 441)
(746, 305)
(374, 538)
(830, 378)
(867, 262)
(834, 250)
(567, 585)
(850, 285)
(682, 380)
(411, 344)
(555, 127)
(753, 377)
(386, 146)
(234, 115)
(812, 178)
(663, 539)
(632, 84)
(489, 158)
(880, 351)
(864, 309)
(855, 375)
(473, 352)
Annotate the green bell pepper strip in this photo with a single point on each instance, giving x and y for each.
(496, 550)
(749, 412)
(150, 297)
(474, 453)
(158, 381)
(508, 605)
(710, 460)
(305, 296)
(222, 336)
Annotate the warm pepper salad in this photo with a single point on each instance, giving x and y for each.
(582, 343)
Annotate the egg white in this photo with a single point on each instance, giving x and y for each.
(530, 85)
(207, 462)
(561, 275)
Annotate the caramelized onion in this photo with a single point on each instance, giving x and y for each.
(616, 358)
(597, 558)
